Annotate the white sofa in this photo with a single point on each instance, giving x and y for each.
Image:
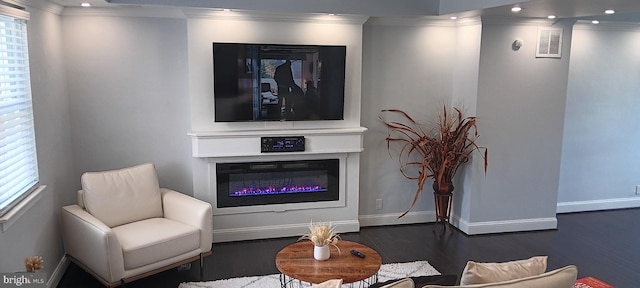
(526, 273)
(563, 277)
(126, 227)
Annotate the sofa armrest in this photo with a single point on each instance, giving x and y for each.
(186, 209)
(92, 243)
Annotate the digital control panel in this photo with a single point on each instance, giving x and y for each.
(282, 144)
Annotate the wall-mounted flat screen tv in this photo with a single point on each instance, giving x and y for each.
(277, 82)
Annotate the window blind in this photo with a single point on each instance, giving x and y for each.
(18, 161)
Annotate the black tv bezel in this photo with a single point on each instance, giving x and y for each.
(332, 85)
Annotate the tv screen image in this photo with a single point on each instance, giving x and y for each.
(278, 82)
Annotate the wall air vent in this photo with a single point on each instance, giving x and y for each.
(549, 43)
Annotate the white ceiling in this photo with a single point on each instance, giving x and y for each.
(626, 10)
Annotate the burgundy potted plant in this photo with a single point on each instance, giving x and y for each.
(434, 153)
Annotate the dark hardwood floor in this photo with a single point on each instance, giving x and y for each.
(604, 244)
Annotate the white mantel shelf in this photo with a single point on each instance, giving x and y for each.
(210, 144)
(278, 132)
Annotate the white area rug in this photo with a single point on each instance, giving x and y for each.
(387, 272)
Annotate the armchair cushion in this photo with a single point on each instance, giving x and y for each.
(122, 196)
(156, 239)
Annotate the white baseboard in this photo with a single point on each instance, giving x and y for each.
(464, 226)
(276, 231)
(594, 205)
(56, 275)
(519, 225)
(392, 219)
(469, 228)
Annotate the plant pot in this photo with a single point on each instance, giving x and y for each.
(442, 198)
(321, 252)
(443, 189)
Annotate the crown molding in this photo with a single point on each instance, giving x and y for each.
(607, 26)
(129, 11)
(43, 5)
(435, 21)
(470, 21)
(263, 16)
(199, 13)
(411, 21)
(495, 20)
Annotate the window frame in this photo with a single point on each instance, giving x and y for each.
(29, 192)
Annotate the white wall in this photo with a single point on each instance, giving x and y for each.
(600, 146)
(129, 94)
(37, 232)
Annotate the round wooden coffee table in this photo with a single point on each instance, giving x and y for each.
(296, 262)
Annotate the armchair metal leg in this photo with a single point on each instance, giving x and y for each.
(201, 267)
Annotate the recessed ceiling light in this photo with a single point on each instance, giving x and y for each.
(226, 10)
(85, 4)
(331, 14)
(609, 11)
(453, 17)
(595, 22)
(551, 17)
(516, 9)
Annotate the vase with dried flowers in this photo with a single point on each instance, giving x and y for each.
(33, 264)
(440, 151)
(322, 235)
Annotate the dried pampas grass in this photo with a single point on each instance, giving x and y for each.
(33, 264)
(322, 234)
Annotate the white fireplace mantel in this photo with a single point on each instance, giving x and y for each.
(211, 144)
(268, 221)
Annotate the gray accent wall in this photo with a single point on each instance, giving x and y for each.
(520, 116)
(407, 66)
(418, 66)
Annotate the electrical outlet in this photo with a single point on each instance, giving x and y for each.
(379, 203)
(637, 189)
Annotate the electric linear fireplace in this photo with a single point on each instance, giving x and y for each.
(320, 183)
(277, 182)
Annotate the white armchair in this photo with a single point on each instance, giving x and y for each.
(125, 227)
